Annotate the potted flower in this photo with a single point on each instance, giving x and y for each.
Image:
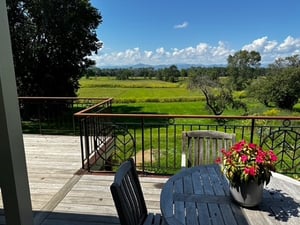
(247, 167)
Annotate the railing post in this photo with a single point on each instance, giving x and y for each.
(87, 146)
(143, 145)
(40, 119)
(81, 133)
(73, 118)
(252, 129)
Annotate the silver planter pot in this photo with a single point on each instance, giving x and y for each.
(247, 194)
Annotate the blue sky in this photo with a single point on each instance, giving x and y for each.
(206, 32)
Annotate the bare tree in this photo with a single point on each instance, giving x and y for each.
(218, 96)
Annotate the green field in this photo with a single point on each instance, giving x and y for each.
(112, 82)
(154, 96)
(129, 89)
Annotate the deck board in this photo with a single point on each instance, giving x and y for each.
(62, 196)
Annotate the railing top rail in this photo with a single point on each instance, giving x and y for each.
(83, 114)
(85, 111)
(62, 98)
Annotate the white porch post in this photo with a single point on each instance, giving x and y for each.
(13, 172)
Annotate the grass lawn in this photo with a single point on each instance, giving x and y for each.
(195, 108)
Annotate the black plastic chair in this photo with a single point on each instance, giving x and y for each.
(129, 199)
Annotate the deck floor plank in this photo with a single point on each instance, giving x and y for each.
(62, 197)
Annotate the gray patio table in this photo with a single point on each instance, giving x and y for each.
(200, 195)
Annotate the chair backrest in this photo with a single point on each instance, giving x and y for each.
(204, 146)
(128, 196)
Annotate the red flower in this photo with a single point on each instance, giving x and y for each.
(226, 153)
(253, 146)
(250, 170)
(273, 156)
(239, 146)
(260, 159)
(218, 160)
(244, 158)
(247, 161)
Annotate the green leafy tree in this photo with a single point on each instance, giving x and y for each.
(51, 41)
(281, 87)
(184, 73)
(242, 68)
(124, 74)
(170, 74)
(286, 88)
(261, 89)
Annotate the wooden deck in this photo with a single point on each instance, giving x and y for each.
(61, 195)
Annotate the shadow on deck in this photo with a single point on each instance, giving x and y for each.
(60, 218)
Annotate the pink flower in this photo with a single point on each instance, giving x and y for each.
(250, 170)
(218, 160)
(261, 156)
(273, 156)
(239, 146)
(253, 146)
(244, 158)
(227, 154)
(260, 159)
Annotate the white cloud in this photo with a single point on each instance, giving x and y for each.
(270, 46)
(181, 26)
(202, 53)
(270, 50)
(289, 44)
(221, 51)
(160, 51)
(257, 45)
(148, 54)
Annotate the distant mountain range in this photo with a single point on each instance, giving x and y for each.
(179, 66)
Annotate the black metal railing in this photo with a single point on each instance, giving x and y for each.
(54, 115)
(155, 140)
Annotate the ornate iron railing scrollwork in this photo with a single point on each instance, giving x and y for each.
(286, 123)
(171, 120)
(114, 144)
(286, 144)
